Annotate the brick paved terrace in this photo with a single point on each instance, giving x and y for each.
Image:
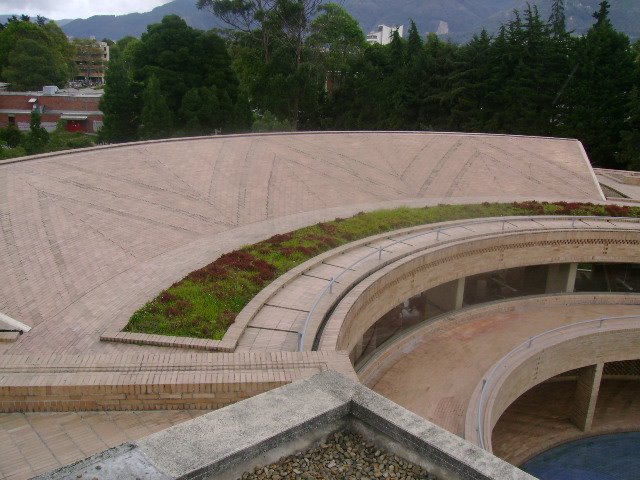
(89, 236)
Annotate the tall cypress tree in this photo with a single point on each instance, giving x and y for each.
(630, 142)
(472, 85)
(414, 42)
(557, 20)
(37, 138)
(602, 15)
(156, 116)
(598, 98)
(120, 105)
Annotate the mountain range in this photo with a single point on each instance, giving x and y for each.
(459, 19)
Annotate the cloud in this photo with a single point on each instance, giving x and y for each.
(57, 9)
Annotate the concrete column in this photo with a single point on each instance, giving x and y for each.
(571, 277)
(561, 277)
(357, 350)
(584, 403)
(460, 292)
(446, 297)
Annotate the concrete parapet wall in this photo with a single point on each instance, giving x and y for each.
(546, 357)
(152, 382)
(388, 354)
(258, 431)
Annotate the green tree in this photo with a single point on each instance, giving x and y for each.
(32, 55)
(630, 135)
(120, 105)
(201, 111)
(59, 42)
(535, 71)
(123, 49)
(557, 20)
(598, 97)
(242, 114)
(287, 82)
(156, 116)
(336, 40)
(440, 63)
(252, 17)
(32, 65)
(182, 58)
(472, 86)
(11, 135)
(36, 139)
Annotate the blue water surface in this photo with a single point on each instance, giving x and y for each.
(605, 457)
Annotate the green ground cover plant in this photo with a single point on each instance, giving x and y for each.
(14, 143)
(206, 302)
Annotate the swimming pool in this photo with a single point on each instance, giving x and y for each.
(605, 457)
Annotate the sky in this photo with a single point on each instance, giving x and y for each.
(60, 9)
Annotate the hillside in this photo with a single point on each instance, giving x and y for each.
(464, 17)
(118, 26)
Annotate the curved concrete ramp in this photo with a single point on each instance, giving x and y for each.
(91, 235)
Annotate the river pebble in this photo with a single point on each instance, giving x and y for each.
(344, 456)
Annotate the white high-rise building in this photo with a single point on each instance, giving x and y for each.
(384, 34)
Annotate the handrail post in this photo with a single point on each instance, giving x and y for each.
(380, 253)
(331, 284)
(438, 234)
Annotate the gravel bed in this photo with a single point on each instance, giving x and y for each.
(344, 456)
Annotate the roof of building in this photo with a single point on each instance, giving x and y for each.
(69, 92)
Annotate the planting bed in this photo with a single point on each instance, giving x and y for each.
(206, 302)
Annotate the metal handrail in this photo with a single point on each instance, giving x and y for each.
(14, 325)
(481, 414)
(438, 231)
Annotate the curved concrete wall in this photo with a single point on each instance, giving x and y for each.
(544, 359)
(396, 348)
(374, 296)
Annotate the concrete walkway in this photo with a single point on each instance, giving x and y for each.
(625, 182)
(437, 378)
(277, 322)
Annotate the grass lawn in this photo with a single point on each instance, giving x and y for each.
(206, 302)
